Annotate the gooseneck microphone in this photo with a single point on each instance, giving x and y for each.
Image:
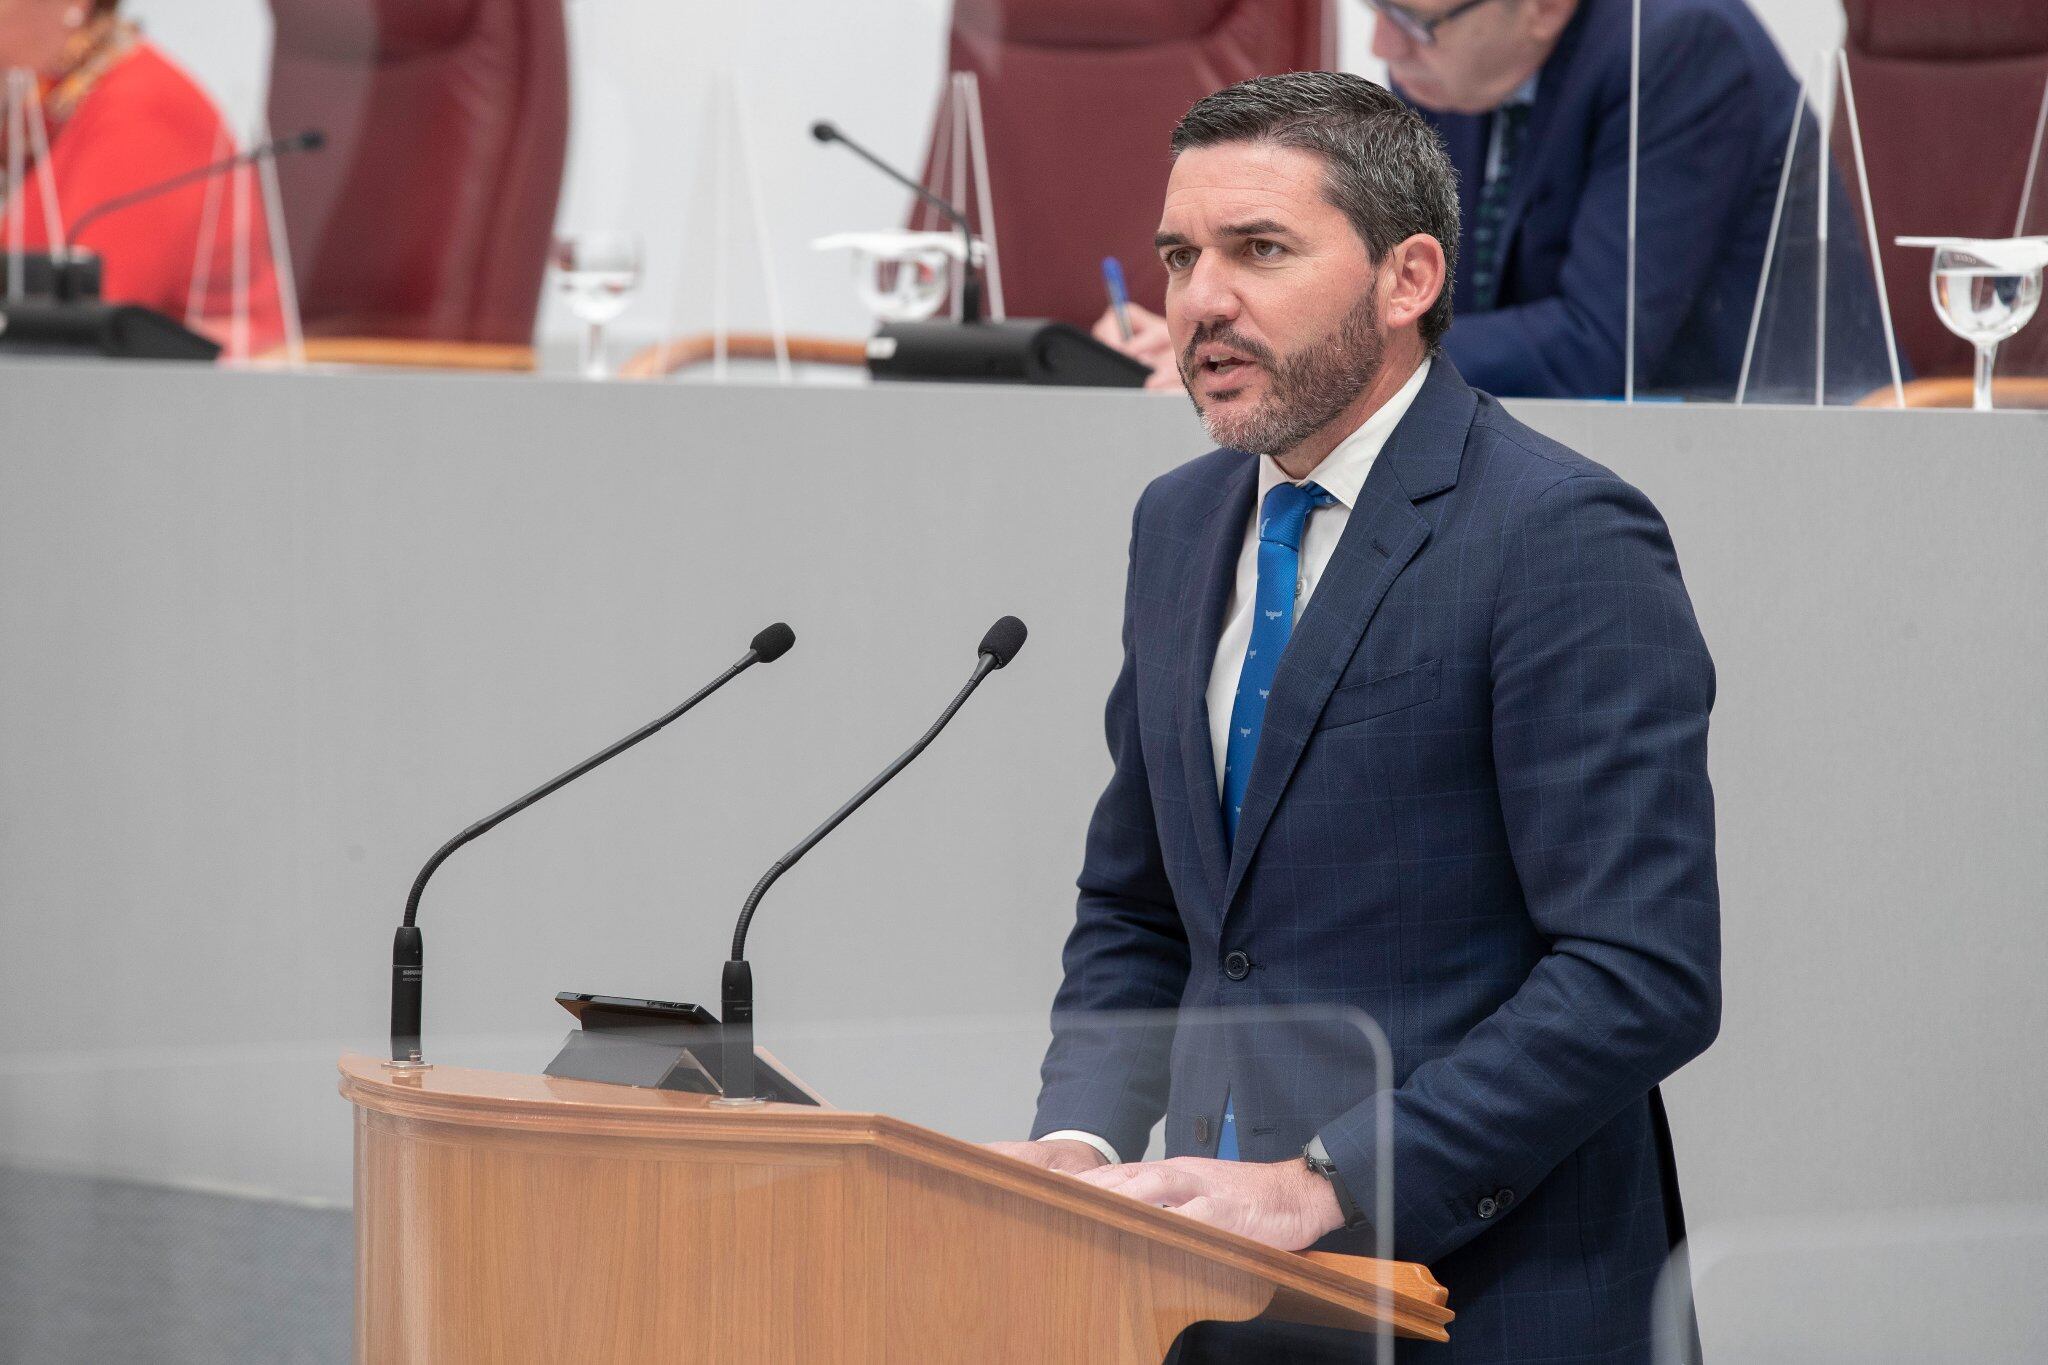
(736, 987)
(970, 283)
(407, 958)
(311, 140)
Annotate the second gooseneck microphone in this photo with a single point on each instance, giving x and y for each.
(311, 140)
(970, 282)
(407, 949)
(736, 987)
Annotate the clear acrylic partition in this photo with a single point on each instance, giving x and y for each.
(1815, 300)
(1909, 1285)
(978, 1079)
(1764, 289)
(166, 1199)
(690, 130)
(171, 1201)
(1819, 332)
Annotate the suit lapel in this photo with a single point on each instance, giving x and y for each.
(1464, 138)
(1205, 596)
(1384, 534)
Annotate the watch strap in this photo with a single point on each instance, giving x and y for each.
(1317, 1157)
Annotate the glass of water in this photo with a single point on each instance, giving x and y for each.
(1984, 291)
(597, 273)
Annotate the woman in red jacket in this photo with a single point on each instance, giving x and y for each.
(120, 117)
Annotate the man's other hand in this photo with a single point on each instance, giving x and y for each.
(1149, 344)
(1283, 1203)
(1061, 1154)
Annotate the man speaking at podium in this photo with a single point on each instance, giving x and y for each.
(1412, 721)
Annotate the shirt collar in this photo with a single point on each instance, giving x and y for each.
(1525, 93)
(1342, 472)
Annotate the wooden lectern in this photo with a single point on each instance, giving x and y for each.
(516, 1218)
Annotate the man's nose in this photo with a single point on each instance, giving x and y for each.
(1210, 294)
(1389, 43)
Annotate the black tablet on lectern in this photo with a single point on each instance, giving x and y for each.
(655, 1044)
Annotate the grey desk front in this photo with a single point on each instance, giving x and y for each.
(265, 640)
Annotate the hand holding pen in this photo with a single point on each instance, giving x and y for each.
(1137, 332)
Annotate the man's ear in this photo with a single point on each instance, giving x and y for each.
(1547, 18)
(1415, 276)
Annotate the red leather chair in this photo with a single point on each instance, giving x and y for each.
(1078, 98)
(1946, 95)
(428, 214)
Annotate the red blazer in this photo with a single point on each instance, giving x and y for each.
(143, 121)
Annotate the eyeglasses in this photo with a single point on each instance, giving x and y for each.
(1419, 29)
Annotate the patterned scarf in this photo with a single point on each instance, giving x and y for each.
(91, 52)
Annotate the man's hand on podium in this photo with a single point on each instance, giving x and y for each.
(1282, 1203)
(1061, 1154)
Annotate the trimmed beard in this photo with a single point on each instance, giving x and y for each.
(1309, 389)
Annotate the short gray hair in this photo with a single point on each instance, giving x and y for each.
(1388, 170)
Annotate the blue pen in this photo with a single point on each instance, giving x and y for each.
(1119, 297)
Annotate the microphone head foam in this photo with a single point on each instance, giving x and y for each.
(1003, 640)
(773, 642)
(824, 131)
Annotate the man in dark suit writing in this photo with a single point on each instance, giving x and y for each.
(1411, 722)
(1532, 98)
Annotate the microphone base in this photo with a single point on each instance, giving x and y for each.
(407, 1067)
(738, 1102)
(69, 276)
(122, 331)
(1015, 351)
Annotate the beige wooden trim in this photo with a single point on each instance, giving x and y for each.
(397, 351)
(1957, 391)
(679, 353)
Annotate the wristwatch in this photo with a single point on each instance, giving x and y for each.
(1317, 1158)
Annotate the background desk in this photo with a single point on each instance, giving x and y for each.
(266, 640)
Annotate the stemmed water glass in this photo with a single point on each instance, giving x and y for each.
(1984, 291)
(597, 273)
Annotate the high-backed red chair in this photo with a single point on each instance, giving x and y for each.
(1946, 95)
(428, 214)
(1077, 99)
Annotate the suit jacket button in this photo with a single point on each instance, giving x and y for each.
(1487, 1207)
(1503, 1198)
(1201, 1130)
(1237, 966)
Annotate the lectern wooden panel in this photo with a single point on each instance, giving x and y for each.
(526, 1218)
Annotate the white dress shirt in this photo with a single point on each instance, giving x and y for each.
(1341, 475)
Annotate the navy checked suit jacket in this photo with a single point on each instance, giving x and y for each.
(1479, 814)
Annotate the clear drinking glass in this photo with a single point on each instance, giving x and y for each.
(1984, 291)
(597, 273)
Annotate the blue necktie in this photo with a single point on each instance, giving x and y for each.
(1282, 521)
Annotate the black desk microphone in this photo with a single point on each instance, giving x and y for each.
(311, 140)
(1015, 350)
(736, 988)
(970, 282)
(407, 958)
